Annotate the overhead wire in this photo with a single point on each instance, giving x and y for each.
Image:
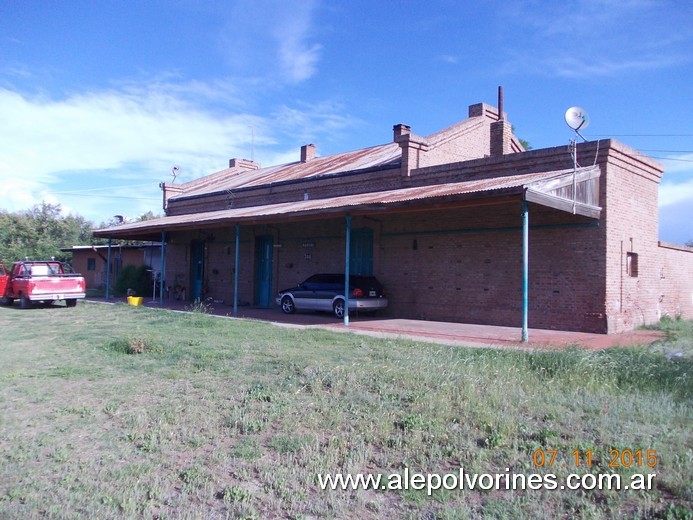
(108, 196)
(639, 135)
(107, 188)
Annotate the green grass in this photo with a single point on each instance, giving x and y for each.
(114, 411)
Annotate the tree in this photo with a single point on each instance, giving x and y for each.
(17, 237)
(147, 216)
(40, 232)
(117, 221)
(525, 144)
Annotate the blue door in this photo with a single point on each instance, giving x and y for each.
(361, 252)
(264, 245)
(197, 263)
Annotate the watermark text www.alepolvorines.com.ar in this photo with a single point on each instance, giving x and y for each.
(462, 480)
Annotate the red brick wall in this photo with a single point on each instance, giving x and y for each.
(676, 281)
(219, 268)
(466, 265)
(96, 279)
(631, 224)
(453, 265)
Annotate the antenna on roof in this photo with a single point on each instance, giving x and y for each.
(175, 171)
(578, 119)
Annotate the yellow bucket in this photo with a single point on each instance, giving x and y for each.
(135, 300)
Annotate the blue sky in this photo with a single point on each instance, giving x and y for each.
(98, 100)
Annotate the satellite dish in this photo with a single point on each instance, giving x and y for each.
(577, 118)
(175, 170)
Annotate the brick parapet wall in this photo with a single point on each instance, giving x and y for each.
(676, 281)
(630, 199)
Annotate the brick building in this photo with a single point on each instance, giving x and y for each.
(93, 262)
(444, 222)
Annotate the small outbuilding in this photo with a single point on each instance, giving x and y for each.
(93, 262)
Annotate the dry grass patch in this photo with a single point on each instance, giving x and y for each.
(112, 411)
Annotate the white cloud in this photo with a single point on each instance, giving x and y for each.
(448, 58)
(298, 57)
(107, 130)
(308, 122)
(272, 39)
(98, 137)
(678, 163)
(675, 192)
(675, 223)
(117, 138)
(587, 38)
(676, 199)
(591, 66)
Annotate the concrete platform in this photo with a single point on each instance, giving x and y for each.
(496, 336)
(460, 334)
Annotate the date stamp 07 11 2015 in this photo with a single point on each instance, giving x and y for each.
(545, 458)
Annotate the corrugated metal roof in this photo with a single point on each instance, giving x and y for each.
(232, 178)
(385, 155)
(330, 204)
(104, 246)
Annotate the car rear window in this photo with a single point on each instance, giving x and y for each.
(364, 280)
(39, 269)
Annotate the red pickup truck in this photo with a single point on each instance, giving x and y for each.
(40, 281)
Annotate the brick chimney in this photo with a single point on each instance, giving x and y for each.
(501, 138)
(501, 131)
(483, 110)
(243, 164)
(400, 130)
(307, 152)
(414, 147)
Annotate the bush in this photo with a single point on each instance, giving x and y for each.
(136, 345)
(137, 278)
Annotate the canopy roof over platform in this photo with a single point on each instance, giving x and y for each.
(553, 189)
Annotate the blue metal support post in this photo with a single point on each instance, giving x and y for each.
(525, 270)
(108, 271)
(235, 270)
(163, 267)
(346, 270)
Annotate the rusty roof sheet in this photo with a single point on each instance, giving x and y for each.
(384, 155)
(232, 178)
(330, 205)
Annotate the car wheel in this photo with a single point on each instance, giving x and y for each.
(288, 306)
(338, 308)
(71, 302)
(6, 301)
(24, 301)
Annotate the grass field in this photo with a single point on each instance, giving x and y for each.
(110, 411)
